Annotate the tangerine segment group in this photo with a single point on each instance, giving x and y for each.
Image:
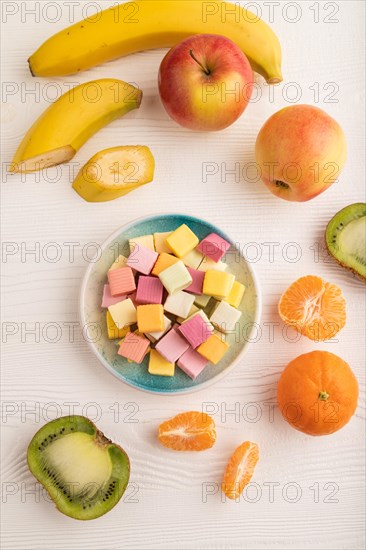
(239, 469)
(188, 431)
(313, 307)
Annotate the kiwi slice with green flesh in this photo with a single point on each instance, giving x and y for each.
(345, 237)
(84, 473)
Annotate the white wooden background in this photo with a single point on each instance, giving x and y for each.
(165, 507)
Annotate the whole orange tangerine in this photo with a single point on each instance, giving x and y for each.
(317, 393)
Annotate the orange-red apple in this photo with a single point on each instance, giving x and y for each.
(300, 152)
(205, 82)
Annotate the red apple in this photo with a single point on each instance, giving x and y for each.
(205, 82)
(300, 151)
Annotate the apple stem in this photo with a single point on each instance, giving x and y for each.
(199, 63)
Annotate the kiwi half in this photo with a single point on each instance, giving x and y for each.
(345, 238)
(84, 473)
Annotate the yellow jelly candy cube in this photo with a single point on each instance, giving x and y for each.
(213, 349)
(182, 241)
(179, 304)
(123, 313)
(236, 294)
(207, 264)
(202, 301)
(176, 278)
(113, 331)
(194, 309)
(225, 317)
(163, 262)
(154, 336)
(159, 242)
(160, 366)
(193, 259)
(150, 318)
(121, 261)
(146, 241)
(218, 283)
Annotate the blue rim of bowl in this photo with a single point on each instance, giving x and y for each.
(220, 375)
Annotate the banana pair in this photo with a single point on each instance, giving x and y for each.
(69, 122)
(126, 28)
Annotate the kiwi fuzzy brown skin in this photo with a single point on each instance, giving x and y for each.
(56, 429)
(330, 238)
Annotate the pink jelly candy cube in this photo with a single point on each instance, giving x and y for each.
(134, 347)
(213, 246)
(149, 290)
(197, 281)
(192, 363)
(172, 346)
(121, 281)
(108, 299)
(195, 331)
(142, 259)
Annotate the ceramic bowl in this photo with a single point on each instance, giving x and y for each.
(93, 316)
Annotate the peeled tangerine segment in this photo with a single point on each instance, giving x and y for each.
(346, 238)
(239, 469)
(114, 172)
(71, 120)
(84, 473)
(188, 431)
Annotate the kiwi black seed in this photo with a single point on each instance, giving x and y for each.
(83, 471)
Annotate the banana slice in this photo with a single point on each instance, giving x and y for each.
(71, 120)
(114, 172)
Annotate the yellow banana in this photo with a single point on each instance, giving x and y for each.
(147, 24)
(71, 120)
(115, 172)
